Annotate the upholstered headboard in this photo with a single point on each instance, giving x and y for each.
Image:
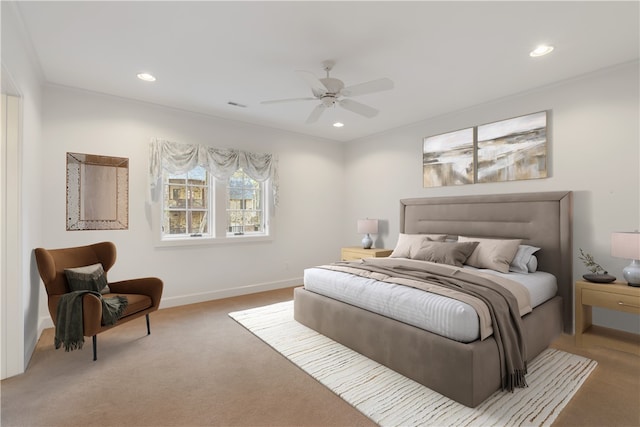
(539, 219)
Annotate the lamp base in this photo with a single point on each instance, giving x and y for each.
(367, 242)
(631, 273)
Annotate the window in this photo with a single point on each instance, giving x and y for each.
(245, 213)
(192, 201)
(214, 195)
(186, 204)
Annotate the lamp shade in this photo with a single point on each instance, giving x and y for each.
(625, 245)
(367, 226)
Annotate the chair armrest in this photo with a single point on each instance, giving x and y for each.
(91, 315)
(150, 286)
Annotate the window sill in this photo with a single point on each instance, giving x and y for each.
(210, 241)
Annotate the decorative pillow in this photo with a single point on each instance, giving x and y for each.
(409, 244)
(532, 265)
(519, 263)
(452, 253)
(495, 254)
(88, 278)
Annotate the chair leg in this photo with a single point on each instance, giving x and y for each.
(95, 339)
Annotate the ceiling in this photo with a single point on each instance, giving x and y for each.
(441, 56)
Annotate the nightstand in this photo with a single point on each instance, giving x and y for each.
(613, 296)
(355, 252)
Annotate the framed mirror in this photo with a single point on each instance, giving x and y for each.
(97, 192)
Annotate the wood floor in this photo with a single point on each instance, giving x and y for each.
(199, 367)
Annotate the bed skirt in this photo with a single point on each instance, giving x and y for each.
(467, 373)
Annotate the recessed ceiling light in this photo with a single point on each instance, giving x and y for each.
(338, 125)
(541, 50)
(146, 77)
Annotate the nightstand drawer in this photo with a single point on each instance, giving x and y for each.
(613, 301)
(350, 256)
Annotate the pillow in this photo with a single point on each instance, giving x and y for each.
(409, 244)
(88, 278)
(519, 263)
(495, 254)
(452, 253)
(532, 265)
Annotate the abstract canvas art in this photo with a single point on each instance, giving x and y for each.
(513, 149)
(507, 150)
(448, 159)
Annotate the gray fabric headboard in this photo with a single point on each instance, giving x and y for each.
(539, 219)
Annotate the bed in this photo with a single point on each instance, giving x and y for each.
(467, 372)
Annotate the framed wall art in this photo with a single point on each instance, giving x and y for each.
(506, 150)
(514, 149)
(447, 159)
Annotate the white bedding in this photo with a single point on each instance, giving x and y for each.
(435, 313)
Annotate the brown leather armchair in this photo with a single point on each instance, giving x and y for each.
(143, 294)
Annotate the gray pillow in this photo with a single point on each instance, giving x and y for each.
(452, 253)
(88, 278)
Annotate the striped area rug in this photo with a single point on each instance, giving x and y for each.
(390, 399)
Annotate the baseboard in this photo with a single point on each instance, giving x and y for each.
(227, 293)
(46, 322)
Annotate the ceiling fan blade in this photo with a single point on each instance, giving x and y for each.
(316, 85)
(358, 108)
(368, 87)
(277, 101)
(315, 114)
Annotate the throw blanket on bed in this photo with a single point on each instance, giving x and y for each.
(69, 326)
(502, 305)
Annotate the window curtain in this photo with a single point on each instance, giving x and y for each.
(219, 162)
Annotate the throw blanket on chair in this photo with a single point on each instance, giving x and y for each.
(69, 328)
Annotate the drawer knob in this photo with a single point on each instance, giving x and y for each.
(628, 305)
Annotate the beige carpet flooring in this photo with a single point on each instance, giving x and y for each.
(199, 367)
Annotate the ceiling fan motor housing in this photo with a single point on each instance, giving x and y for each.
(329, 100)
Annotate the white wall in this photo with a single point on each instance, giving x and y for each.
(307, 224)
(594, 152)
(21, 69)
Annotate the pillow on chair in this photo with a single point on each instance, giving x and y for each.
(89, 278)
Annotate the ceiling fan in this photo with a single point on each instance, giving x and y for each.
(331, 91)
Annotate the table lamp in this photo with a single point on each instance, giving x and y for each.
(627, 245)
(367, 227)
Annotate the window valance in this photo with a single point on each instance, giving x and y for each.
(219, 162)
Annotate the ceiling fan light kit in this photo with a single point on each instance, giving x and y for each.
(331, 92)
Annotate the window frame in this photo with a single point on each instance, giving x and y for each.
(188, 188)
(262, 188)
(217, 201)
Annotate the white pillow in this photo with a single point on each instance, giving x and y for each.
(520, 262)
(532, 265)
(409, 244)
(495, 254)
